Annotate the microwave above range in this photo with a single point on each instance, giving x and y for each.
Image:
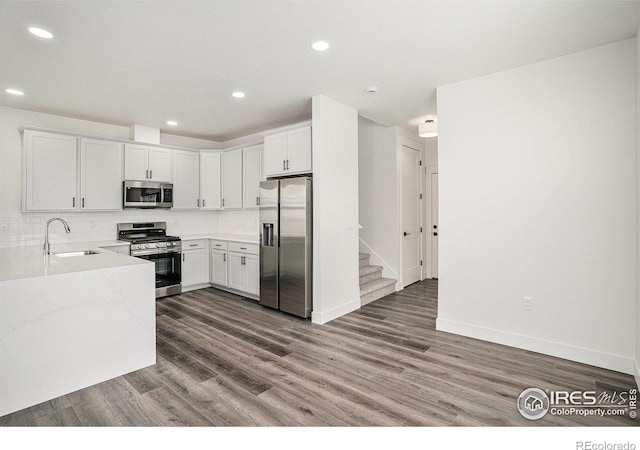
(147, 194)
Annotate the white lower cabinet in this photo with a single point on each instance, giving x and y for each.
(194, 263)
(236, 266)
(218, 266)
(244, 267)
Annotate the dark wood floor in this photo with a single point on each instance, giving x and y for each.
(224, 360)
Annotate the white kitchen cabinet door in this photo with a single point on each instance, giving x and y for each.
(275, 154)
(299, 150)
(193, 267)
(100, 174)
(186, 179)
(251, 166)
(252, 274)
(160, 164)
(136, 162)
(210, 180)
(218, 267)
(51, 171)
(232, 179)
(236, 271)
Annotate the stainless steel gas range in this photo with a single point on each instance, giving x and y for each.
(149, 240)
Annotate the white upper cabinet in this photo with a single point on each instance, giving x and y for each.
(186, 179)
(232, 179)
(275, 154)
(143, 162)
(288, 152)
(251, 176)
(60, 175)
(50, 171)
(210, 180)
(299, 148)
(159, 164)
(100, 174)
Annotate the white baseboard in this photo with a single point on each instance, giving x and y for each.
(327, 316)
(596, 358)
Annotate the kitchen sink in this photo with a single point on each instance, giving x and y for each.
(76, 253)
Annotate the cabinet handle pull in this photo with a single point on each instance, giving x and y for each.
(151, 174)
(243, 248)
(198, 202)
(183, 257)
(284, 165)
(258, 201)
(83, 202)
(146, 174)
(242, 260)
(222, 202)
(74, 202)
(224, 257)
(203, 200)
(287, 164)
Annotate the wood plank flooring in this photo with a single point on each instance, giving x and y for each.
(223, 360)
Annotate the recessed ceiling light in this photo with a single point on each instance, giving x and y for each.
(320, 46)
(238, 94)
(173, 123)
(14, 92)
(40, 33)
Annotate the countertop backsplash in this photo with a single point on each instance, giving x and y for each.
(19, 229)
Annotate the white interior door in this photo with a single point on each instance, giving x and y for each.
(411, 217)
(434, 225)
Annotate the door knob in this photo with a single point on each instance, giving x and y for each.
(435, 234)
(406, 234)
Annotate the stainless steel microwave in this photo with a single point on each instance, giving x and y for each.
(147, 194)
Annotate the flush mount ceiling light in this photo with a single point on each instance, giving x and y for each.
(40, 33)
(320, 46)
(238, 94)
(14, 91)
(428, 129)
(371, 90)
(173, 123)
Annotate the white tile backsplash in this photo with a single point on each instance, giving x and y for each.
(28, 228)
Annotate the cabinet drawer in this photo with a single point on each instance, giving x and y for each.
(242, 247)
(218, 245)
(192, 245)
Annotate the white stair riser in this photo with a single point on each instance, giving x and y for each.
(370, 276)
(375, 295)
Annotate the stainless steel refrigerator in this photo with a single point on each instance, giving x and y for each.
(286, 245)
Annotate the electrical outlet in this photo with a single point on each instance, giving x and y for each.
(527, 303)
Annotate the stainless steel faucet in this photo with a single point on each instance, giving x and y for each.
(47, 246)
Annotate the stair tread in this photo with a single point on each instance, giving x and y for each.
(364, 255)
(371, 286)
(366, 270)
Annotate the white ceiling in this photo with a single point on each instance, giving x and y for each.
(144, 62)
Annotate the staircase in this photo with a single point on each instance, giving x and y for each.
(372, 285)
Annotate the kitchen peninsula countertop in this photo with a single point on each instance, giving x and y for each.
(31, 262)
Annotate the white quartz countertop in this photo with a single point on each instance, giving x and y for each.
(245, 238)
(30, 262)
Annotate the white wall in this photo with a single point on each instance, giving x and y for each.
(538, 198)
(378, 205)
(28, 228)
(335, 209)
